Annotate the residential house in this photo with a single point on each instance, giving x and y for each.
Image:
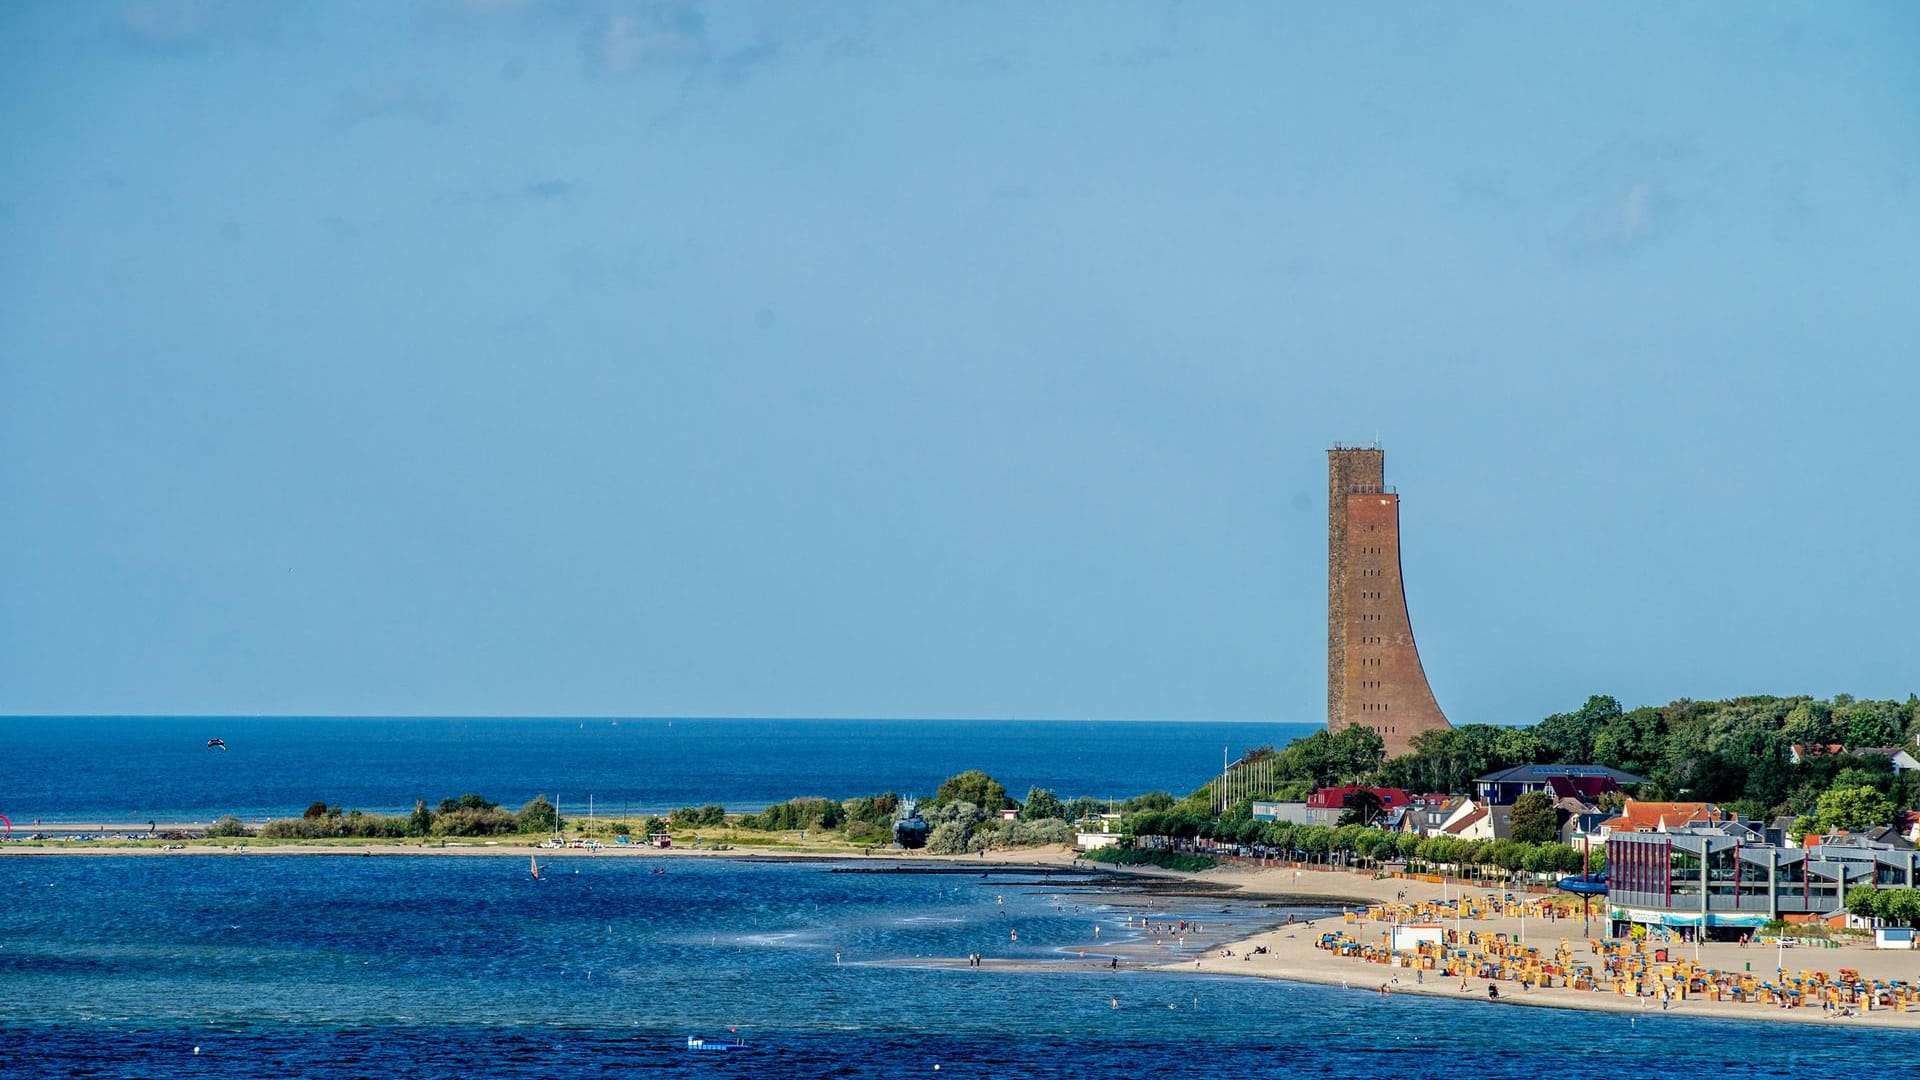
(1584, 782)
(1659, 817)
(1475, 820)
(1325, 806)
(1583, 827)
(1427, 813)
(1899, 757)
(1801, 753)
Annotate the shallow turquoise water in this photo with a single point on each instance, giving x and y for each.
(389, 967)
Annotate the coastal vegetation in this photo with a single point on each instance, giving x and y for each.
(975, 787)
(468, 815)
(1358, 845)
(1166, 860)
(691, 817)
(1737, 753)
(1894, 907)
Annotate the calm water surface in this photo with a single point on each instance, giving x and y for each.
(313, 966)
(100, 768)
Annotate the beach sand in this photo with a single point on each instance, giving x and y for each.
(1291, 955)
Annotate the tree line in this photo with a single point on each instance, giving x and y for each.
(1735, 753)
(468, 815)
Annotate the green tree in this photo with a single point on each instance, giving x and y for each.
(1152, 800)
(314, 812)
(1810, 723)
(1873, 723)
(538, 815)
(1042, 805)
(1533, 819)
(1899, 907)
(975, 787)
(1631, 741)
(1569, 737)
(421, 823)
(1357, 751)
(1860, 901)
(229, 826)
(1853, 809)
(1362, 807)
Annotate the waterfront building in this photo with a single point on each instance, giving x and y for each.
(1724, 877)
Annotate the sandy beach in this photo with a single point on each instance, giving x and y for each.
(1291, 954)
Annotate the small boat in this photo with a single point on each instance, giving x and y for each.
(695, 1042)
(216, 744)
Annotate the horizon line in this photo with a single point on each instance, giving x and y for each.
(621, 716)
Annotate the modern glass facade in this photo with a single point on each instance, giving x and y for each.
(1724, 878)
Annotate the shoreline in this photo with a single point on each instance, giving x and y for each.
(1291, 954)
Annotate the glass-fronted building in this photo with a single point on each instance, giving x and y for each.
(1729, 880)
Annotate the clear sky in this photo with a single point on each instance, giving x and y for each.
(889, 359)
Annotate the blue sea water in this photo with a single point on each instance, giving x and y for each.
(136, 769)
(333, 966)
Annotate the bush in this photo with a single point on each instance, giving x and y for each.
(300, 828)
(951, 838)
(975, 787)
(866, 832)
(690, 817)
(797, 814)
(229, 826)
(491, 821)
(333, 826)
(537, 816)
(1042, 805)
(1167, 860)
(1032, 833)
(875, 809)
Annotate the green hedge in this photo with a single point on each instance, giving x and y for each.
(1166, 860)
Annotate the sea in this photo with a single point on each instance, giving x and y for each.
(138, 769)
(238, 966)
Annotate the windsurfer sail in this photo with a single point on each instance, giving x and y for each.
(534, 864)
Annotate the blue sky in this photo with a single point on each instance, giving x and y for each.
(608, 357)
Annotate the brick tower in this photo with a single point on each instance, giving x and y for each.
(1374, 677)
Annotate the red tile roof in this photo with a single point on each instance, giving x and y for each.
(1335, 798)
(1638, 816)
